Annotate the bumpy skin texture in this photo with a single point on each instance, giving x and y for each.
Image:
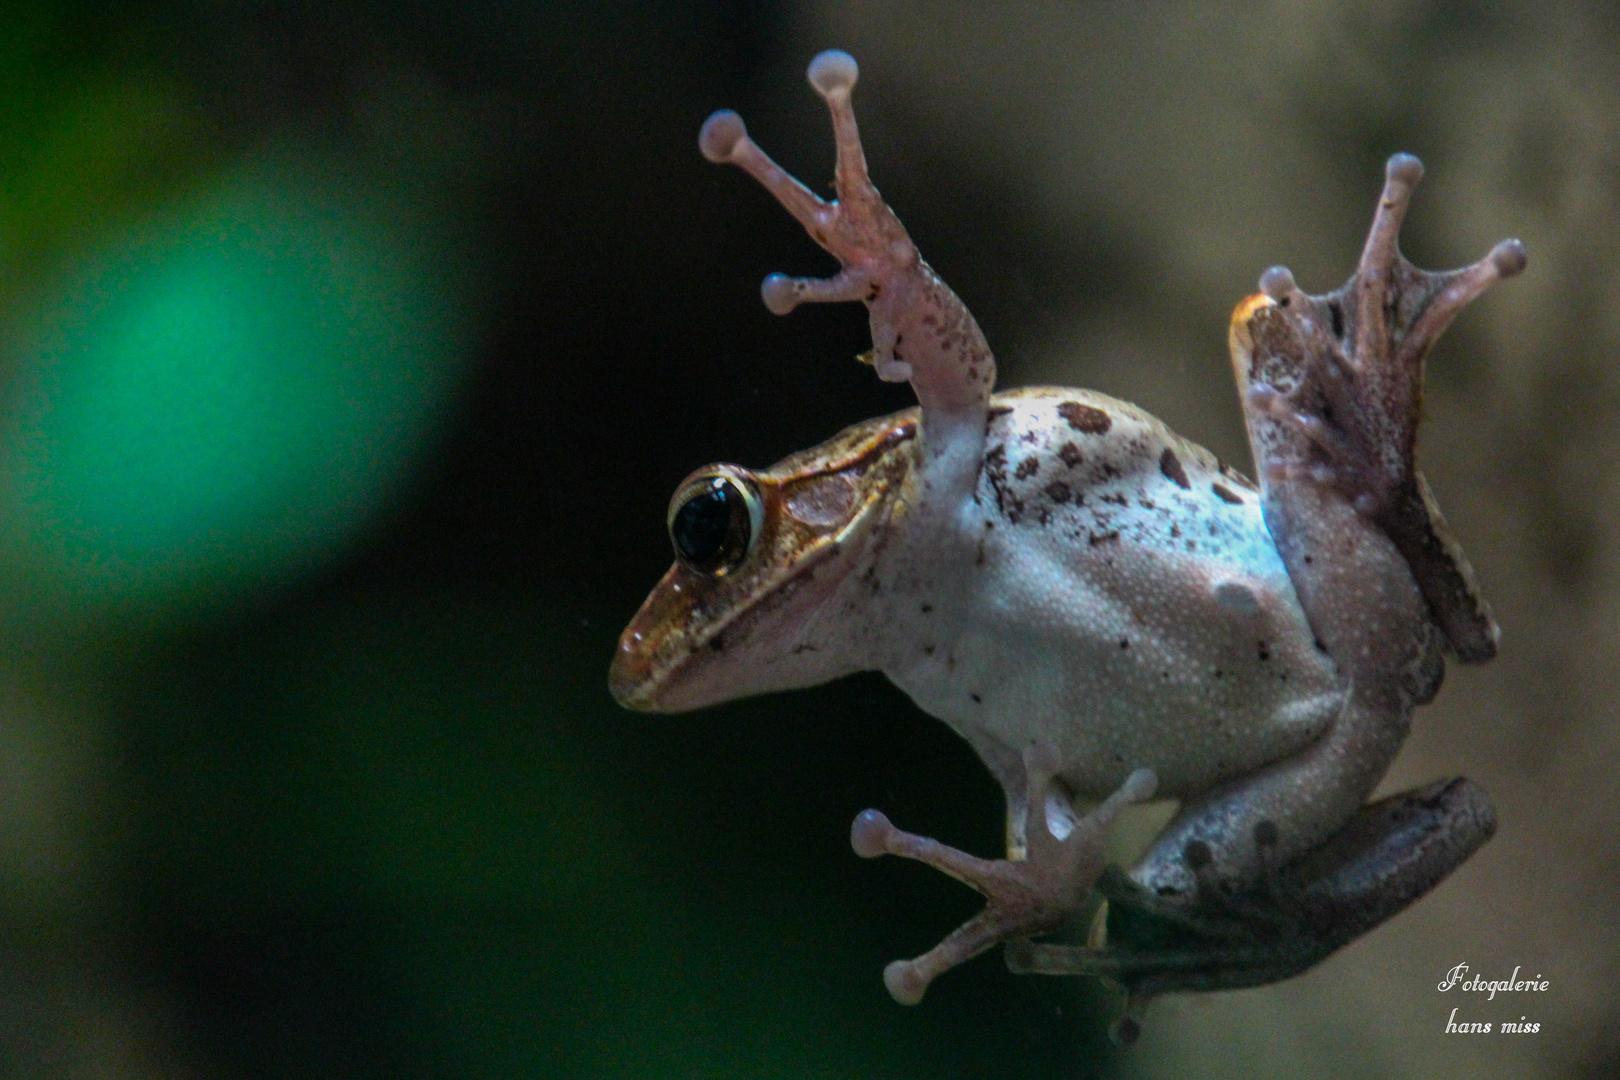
(1102, 609)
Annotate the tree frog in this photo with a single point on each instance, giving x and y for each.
(1103, 610)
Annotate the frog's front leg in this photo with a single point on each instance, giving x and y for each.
(921, 331)
(1033, 895)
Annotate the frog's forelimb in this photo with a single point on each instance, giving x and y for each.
(1034, 895)
(921, 331)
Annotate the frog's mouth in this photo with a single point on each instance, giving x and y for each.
(674, 656)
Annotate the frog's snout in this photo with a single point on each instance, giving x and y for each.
(629, 675)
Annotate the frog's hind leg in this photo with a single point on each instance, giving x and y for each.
(1387, 857)
(1356, 404)
(921, 331)
(1023, 898)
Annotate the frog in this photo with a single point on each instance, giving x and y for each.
(1106, 612)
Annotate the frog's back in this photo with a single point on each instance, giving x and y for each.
(1102, 471)
(1125, 584)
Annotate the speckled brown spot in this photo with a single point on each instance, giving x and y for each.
(1170, 465)
(1105, 538)
(1058, 492)
(1070, 454)
(1027, 468)
(1225, 494)
(1086, 419)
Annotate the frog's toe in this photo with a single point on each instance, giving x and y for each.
(782, 293)
(1024, 898)
(720, 134)
(908, 980)
(833, 72)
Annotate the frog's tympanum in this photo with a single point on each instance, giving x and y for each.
(1105, 611)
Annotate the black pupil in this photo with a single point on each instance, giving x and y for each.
(712, 526)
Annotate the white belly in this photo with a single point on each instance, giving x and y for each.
(1129, 614)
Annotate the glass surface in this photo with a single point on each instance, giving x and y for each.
(350, 353)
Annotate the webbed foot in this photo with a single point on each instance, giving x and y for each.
(1341, 377)
(1387, 857)
(1031, 896)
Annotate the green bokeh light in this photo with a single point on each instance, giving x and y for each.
(220, 396)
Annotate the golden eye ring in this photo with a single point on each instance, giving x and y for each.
(715, 520)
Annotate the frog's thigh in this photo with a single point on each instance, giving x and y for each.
(1265, 694)
(1233, 835)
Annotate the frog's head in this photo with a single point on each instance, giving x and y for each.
(752, 602)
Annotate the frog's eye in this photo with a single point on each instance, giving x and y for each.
(714, 522)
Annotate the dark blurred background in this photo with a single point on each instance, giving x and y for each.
(350, 352)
